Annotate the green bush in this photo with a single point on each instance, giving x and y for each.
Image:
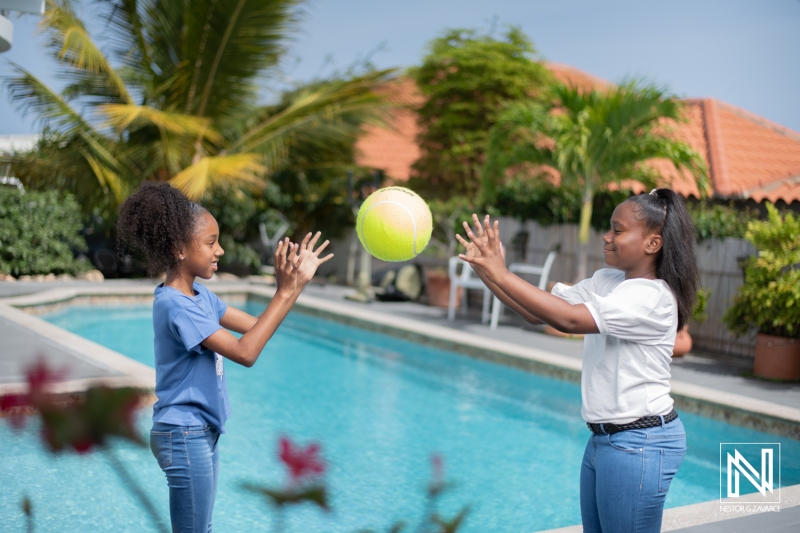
(39, 231)
(546, 204)
(716, 221)
(769, 300)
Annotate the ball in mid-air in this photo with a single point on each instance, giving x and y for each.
(394, 224)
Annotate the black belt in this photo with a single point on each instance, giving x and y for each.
(642, 423)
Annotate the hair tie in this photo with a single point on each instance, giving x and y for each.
(653, 192)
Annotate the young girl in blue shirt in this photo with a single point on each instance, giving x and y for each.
(629, 314)
(191, 327)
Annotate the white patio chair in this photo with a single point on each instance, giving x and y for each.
(543, 271)
(469, 280)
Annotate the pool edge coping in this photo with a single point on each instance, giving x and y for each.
(553, 364)
(703, 513)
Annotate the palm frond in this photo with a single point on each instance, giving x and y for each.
(226, 170)
(127, 31)
(122, 116)
(227, 44)
(58, 162)
(31, 95)
(596, 137)
(317, 116)
(106, 178)
(74, 46)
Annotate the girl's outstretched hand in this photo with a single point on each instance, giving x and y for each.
(310, 258)
(287, 265)
(484, 251)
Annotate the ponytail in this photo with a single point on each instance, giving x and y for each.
(663, 210)
(158, 221)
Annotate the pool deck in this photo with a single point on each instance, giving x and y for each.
(701, 384)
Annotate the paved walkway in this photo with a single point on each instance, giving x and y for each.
(20, 344)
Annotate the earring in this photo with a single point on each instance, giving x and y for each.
(181, 258)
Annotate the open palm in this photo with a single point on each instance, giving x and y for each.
(310, 257)
(478, 235)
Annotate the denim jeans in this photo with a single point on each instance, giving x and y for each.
(189, 456)
(625, 478)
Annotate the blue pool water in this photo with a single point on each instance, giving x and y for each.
(380, 406)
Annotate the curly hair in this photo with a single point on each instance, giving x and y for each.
(663, 210)
(158, 221)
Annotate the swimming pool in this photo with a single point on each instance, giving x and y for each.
(380, 406)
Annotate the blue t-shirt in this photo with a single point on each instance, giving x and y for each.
(190, 380)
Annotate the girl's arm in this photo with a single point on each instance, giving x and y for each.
(245, 350)
(237, 320)
(242, 322)
(509, 302)
(542, 305)
(292, 271)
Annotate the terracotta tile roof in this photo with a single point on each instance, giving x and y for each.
(747, 156)
(393, 150)
(569, 75)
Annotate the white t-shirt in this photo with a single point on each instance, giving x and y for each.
(625, 372)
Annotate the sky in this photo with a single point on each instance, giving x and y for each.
(745, 53)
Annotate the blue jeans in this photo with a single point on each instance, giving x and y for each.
(625, 478)
(189, 456)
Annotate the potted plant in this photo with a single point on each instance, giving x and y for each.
(769, 300)
(683, 340)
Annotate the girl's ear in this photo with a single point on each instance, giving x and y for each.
(653, 244)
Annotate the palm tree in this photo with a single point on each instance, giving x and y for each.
(177, 99)
(592, 139)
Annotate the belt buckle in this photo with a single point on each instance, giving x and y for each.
(611, 428)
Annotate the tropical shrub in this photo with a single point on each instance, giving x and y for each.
(39, 233)
(593, 139)
(717, 221)
(465, 77)
(699, 314)
(769, 300)
(546, 204)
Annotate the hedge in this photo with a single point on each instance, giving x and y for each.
(39, 233)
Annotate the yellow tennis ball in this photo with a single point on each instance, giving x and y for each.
(394, 224)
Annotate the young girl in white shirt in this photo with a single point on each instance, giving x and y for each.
(629, 314)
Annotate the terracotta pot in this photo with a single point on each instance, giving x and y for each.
(683, 342)
(777, 358)
(437, 287)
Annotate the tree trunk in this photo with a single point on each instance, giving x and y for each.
(583, 234)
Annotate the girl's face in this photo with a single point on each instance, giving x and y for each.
(628, 245)
(202, 257)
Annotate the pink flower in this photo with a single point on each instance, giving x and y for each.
(81, 422)
(18, 405)
(302, 463)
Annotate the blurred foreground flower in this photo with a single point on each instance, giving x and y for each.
(305, 482)
(80, 422)
(77, 423)
(302, 463)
